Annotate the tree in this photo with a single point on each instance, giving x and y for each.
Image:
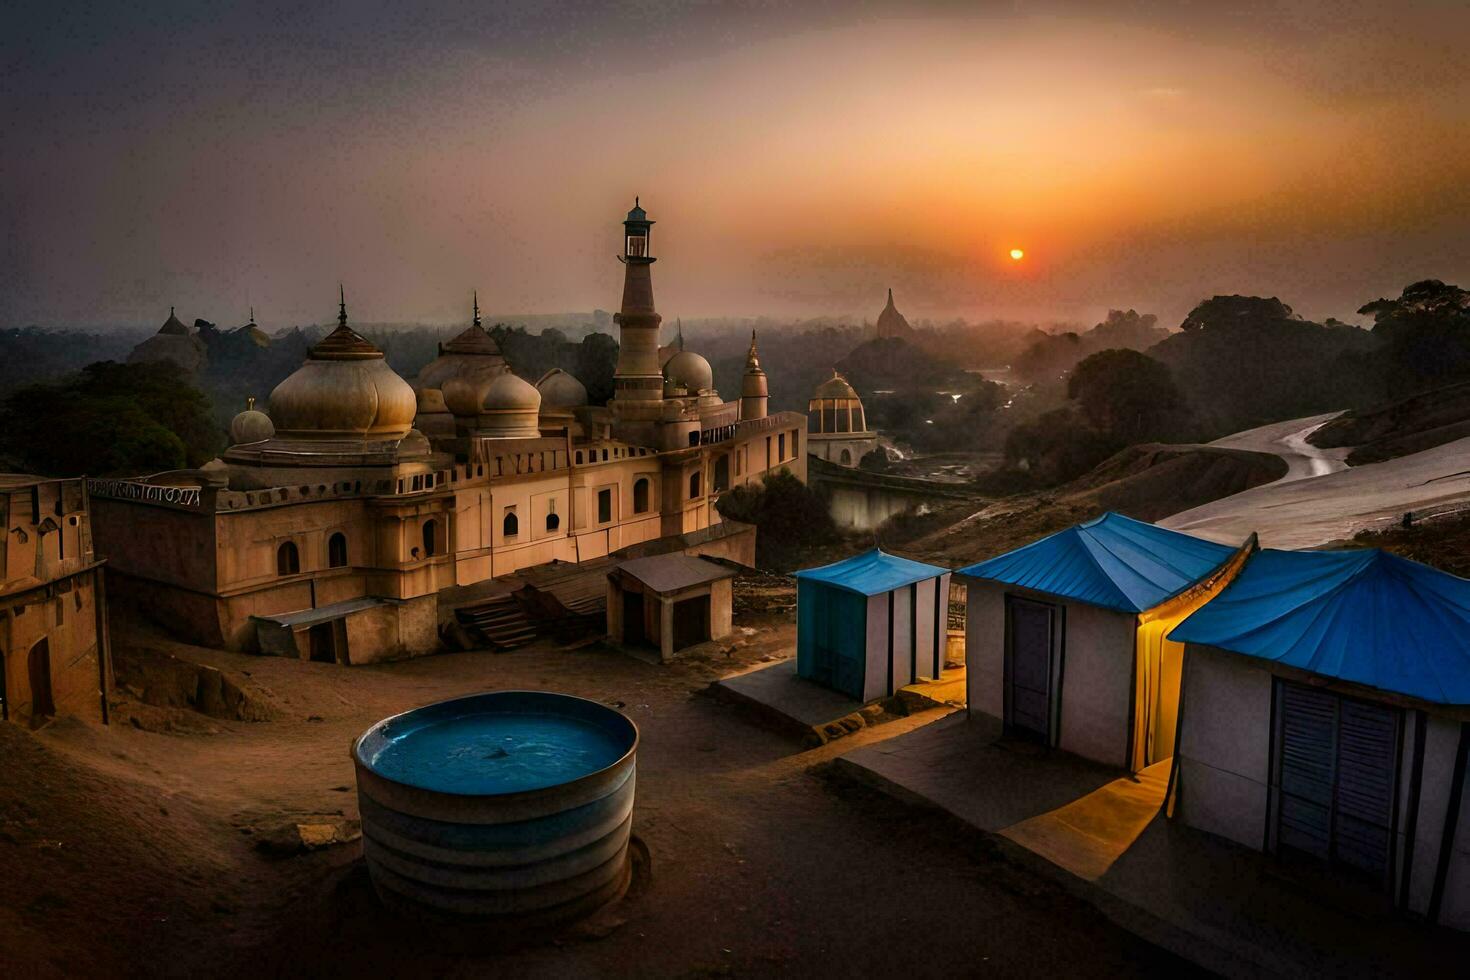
(1128, 396)
(789, 516)
(1425, 334)
(110, 420)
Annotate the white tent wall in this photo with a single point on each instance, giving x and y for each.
(903, 633)
(1096, 669)
(1097, 683)
(1224, 763)
(1223, 756)
(985, 647)
(875, 678)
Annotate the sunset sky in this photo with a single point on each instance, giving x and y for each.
(800, 158)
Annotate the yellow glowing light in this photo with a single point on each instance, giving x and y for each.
(1017, 254)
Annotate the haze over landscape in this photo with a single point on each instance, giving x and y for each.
(799, 158)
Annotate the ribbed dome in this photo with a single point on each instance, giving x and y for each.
(465, 389)
(835, 387)
(561, 390)
(251, 425)
(511, 409)
(345, 389)
(689, 371)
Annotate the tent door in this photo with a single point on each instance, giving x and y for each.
(1337, 769)
(1033, 634)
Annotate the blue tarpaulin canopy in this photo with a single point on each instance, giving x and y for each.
(1363, 616)
(1111, 561)
(871, 572)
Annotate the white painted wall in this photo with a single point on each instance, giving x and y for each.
(985, 648)
(1097, 683)
(875, 683)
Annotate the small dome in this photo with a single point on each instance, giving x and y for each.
(835, 387)
(508, 393)
(510, 409)
(251, 425)
(474, 351)
(465, 390)
(431, 400)
(561, 390)
(689, 371)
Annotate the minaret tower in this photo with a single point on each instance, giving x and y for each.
(754, 392)
(637, 378)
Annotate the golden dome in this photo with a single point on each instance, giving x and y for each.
(431, 401)
(835, 387)
(345, 389)
(689, 371)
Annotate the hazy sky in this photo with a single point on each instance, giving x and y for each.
(799, 157)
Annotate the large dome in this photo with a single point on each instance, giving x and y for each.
(689, 371)
(561, 390)
(472, 352)
(344, 390)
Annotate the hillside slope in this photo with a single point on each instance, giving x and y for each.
(1409, 425)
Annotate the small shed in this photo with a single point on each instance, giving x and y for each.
(1064, 638)
(668, 602)
(871, 624)
(1326, 721)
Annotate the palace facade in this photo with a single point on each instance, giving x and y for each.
(335, 519)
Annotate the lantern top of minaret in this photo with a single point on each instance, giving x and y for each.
(636, 228)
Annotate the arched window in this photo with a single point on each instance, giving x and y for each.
(846, 458)
(694, 484)
(288, 559)
(640, 495)
(337, 550)
(431, 531)
(552, 522)
(510, 527)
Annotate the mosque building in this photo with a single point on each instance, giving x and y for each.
(331, 524)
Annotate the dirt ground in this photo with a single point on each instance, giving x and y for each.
(133, 849)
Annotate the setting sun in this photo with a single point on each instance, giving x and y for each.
(1017, 254)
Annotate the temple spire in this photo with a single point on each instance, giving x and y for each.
(678, 327)
(342, 306)
(477, 308)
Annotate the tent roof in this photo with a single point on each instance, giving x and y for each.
(1111, 561)
(871, 572)
(670, 573)
(1369, 617)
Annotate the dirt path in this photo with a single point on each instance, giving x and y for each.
(761, 866)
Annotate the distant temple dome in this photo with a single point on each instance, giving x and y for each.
(835, 387)
(473, 351)
(511, 409)
(689, 371)
(344, 390)
(251, 425)
(891, 323)
(561, 390)
(174, 343)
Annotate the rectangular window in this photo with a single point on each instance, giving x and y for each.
(780, 447)
(604, 506)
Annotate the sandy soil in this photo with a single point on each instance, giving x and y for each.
(130, 851)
